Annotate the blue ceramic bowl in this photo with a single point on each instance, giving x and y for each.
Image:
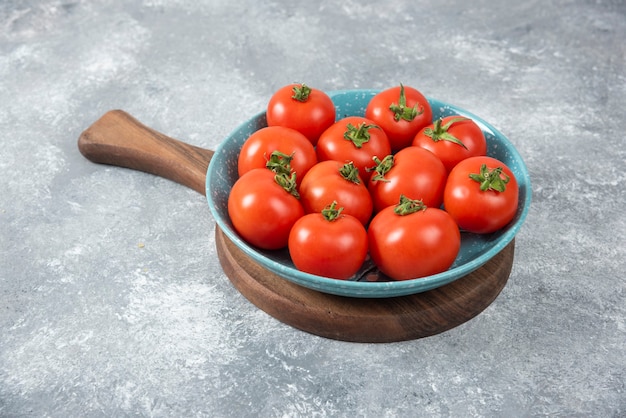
(475, 251)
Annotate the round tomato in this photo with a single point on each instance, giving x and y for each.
(356, 139)
(410, 240)
(329, 244)
(401, 112)
(414, 172)
(263, 207)
(481, 195)
(300, 107)
(330, 181)
(452, 139)
(277, 145)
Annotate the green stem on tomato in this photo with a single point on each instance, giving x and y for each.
(401, 111)
(440, 132)
(331, 213)
(350, 173)
(382, 167)
(359, 135)
(279, 162)
(408, 206)
(491, 179)
(301, 92)
(288, 183)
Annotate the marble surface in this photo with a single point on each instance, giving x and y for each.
(112, 301)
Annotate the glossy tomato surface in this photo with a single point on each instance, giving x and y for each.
(452, 139)
(330, 248)
(401, 127)
(411, 246)
(325, 183)
(371, 141)
(477, 210)
(309, 113)
(259, 146)
(416, 173)
(261, 210)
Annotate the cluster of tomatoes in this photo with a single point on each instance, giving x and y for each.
(393, 184)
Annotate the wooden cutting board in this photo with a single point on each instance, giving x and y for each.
(119, 139)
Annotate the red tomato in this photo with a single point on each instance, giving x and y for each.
(329, 244)
(330, 181)
(262, 210)
(414, 172)
(258, 148)
(481, 194)
(409, 240)
(452, 139)
(401, 112)
(355, 139)
(305, 109)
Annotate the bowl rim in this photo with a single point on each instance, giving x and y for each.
(366, 289)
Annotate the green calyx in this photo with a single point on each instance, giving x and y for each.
(440, 132)
(350, 173)
(408, 206)
(288, 182)
(359, 135)
(382, 167)
(331, 213)
(279, 163)
(491, 179)
(301, 92)
(401, 111)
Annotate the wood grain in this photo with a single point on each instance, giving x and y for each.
(119, 139)
(366, 319)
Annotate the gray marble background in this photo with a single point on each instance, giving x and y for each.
(112, 301)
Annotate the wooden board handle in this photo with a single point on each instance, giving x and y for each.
(119, 139)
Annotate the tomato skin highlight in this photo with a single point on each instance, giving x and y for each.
(333, 146)
(324, 184)
(257, 149)
(478, 211)
(400, 132)
(451, 153)
(309, 117)
(334, 249)
(262, 211)
(412, 246)
(416, 173)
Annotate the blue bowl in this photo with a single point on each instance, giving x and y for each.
(475, 250)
